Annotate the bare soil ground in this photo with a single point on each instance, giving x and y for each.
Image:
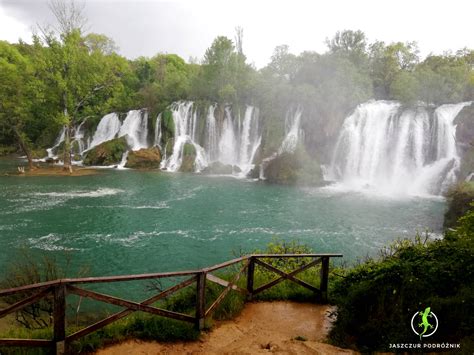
(261, 328)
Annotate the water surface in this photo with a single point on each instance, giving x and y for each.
(121, 222)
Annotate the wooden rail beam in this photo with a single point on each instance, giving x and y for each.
(226, 290)
(32, 343)
(222, 282)
(59, 318)
(200, 300)
(119, 315)
(250, 277)
(129, 304)
(287, 275)
(24, 303)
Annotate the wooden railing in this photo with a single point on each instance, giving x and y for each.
(60, 289)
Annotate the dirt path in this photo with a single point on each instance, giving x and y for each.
(261, 328)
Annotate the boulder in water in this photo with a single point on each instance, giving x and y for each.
(293, 169)
(146, 158)
(107, 153)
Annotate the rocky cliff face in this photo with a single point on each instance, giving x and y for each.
(465, 140)
(146, 158)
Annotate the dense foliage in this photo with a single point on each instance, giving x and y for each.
(67, 77)
(377, 299)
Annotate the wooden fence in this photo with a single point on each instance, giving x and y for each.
(59, 289)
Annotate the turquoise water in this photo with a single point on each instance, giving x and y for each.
(122, 222)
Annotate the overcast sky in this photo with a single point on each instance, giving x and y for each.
(187, 27)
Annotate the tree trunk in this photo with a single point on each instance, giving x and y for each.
(24, 147)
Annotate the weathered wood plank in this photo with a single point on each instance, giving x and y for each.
(250, 277)
(282, 278)
(324, 279)
(33, 343)
(20, 289)
(226, 290)
(290, 277)
(59, 319)
(225, 264)
(296, 255)
(129, 304)
(25, 302)
(225, 283)
(119, 315)
(200, 300)
(122, 278)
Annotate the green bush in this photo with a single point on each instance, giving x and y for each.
(377, 298)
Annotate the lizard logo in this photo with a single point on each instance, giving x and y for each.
(424, 323)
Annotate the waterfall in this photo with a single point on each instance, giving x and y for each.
(396, 150)
(228, 153)
(290, 142)
(108, 128)
(184, 120)
(292, 131)
(212, 148)
(158, 132)
(135, 129)
(250, 139)
(238, 141)
(228, 142)
(78, 137)
(57, 143)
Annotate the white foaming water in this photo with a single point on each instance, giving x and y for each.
(79, 137)
(292, 130)
(135, 129)
(228, 153)
(123, 161)
(397, 151)
(290, 142)
(158, 131)
(184, 122)
(59, 140)
(73, 194)
(108, 128)
(212, 148)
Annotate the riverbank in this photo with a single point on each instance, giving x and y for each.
(55, 171)
(262, 327)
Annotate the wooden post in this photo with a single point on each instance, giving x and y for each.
(200, 300)
(250, 275)
(59, 319)
(324, 278)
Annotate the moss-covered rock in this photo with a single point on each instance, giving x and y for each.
(107, 153)
(189, 158)
(460, 198)
(465, 140)
(144, 159)
(293, 169)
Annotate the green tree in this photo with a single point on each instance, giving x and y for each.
(386, 61)
(17, 93)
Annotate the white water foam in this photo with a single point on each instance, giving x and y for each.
(389, 150)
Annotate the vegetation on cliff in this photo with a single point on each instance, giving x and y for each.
(377, 299)
(68, 76)
(107, 153)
